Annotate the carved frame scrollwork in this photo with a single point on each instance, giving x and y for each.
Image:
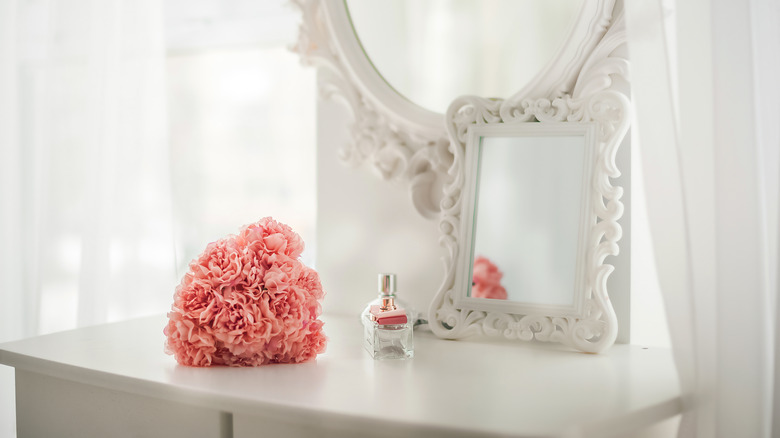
(592, 101)
(402, 142)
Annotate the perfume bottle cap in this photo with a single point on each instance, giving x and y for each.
(387, 284)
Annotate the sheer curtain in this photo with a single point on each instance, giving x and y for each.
(85, 227)
(704, 83)
(85, 204)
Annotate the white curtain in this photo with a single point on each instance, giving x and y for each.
(85, 229)
(704, 84)
(85, 211)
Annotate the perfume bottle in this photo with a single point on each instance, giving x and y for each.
(388, 327)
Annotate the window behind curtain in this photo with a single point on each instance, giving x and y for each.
(241, 121)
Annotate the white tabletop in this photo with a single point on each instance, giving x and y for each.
(493, 387)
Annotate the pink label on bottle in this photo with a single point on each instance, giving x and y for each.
(397, 316)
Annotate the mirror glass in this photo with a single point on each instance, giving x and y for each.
(527, 225)
(432, 51)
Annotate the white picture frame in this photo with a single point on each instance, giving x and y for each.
(593, 103)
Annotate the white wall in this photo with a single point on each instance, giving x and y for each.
(366, 226)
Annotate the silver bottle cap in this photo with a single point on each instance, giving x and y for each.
(387, 284)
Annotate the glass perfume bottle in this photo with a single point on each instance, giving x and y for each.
(387, 326)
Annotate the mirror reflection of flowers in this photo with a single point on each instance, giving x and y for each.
(248, 300)
(486, 280)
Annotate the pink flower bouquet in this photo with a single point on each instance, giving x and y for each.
(486, 281)
(247, 300)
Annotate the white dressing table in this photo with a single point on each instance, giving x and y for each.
(115, 380)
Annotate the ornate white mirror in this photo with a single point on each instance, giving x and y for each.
(531, 212)
(384, 59)
(433, 51)
(526, 193)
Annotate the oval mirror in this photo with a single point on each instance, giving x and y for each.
(432, 51)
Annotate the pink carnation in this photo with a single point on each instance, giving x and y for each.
(247, 300)
(486, 282)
